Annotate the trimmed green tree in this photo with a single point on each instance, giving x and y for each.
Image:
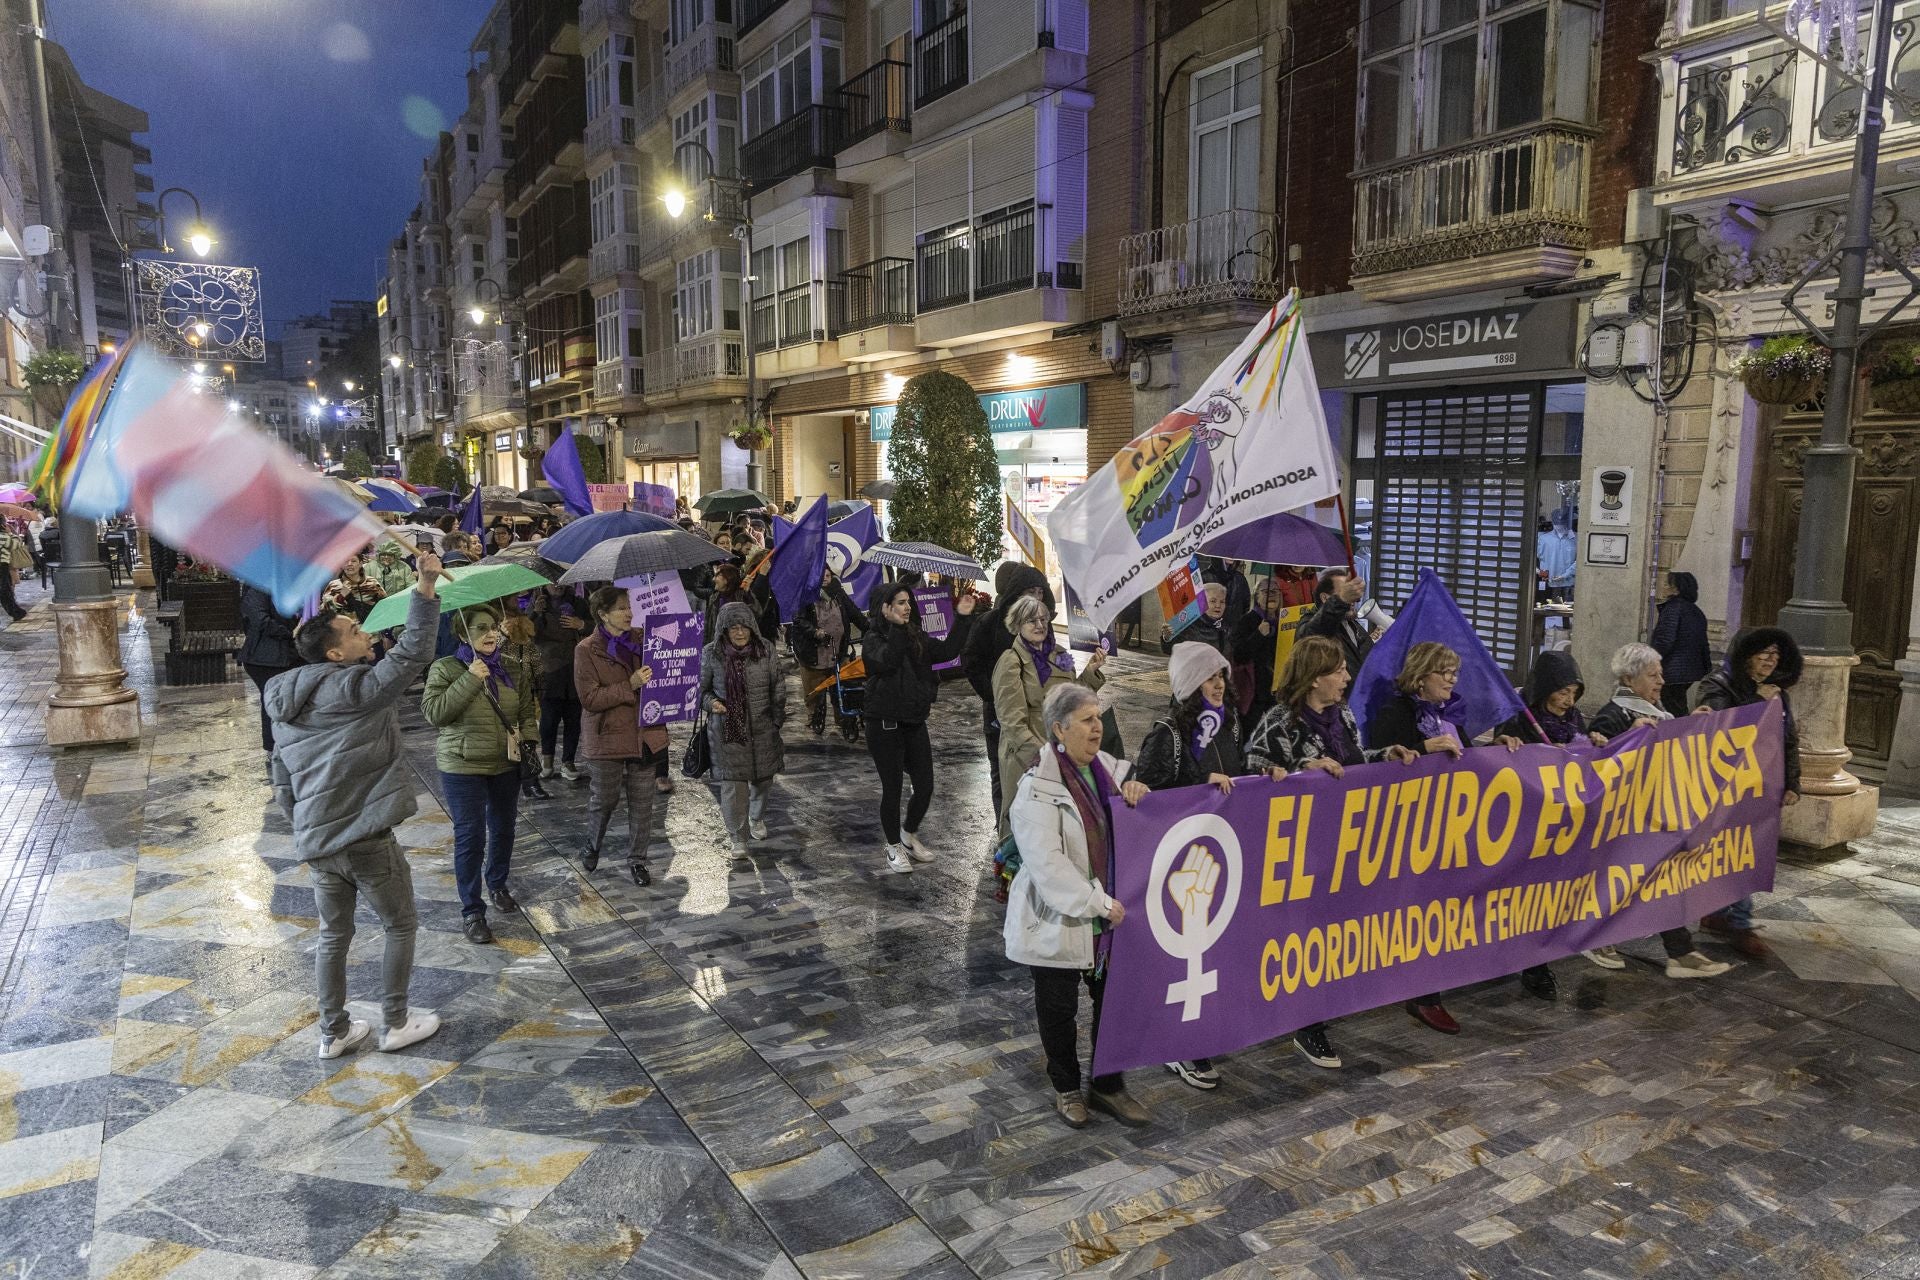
(593, 460)
(420, 463)
(356, 465)
(446, 475)
(946, 477)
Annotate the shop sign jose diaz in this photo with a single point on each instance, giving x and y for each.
(1042, 409)
(1522, 338)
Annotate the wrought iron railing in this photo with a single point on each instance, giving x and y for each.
(659, 372)
(1519, 191)
(1003, 252)
(804, 140)
(709, 48)
(754, 12)
(1223, 257)
(876, 101)
(796, 316)
(944, 265)
(766, 334)
(872, 294)
(940, 59)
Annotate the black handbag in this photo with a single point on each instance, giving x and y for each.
(699, 756)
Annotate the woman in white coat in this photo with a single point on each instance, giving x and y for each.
(1058, 907)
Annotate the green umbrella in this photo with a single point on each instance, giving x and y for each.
(463, 587)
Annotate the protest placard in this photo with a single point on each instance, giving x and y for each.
(671, 646)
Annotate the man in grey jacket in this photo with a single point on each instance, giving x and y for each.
(339, 777)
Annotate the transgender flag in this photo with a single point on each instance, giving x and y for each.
(207, 483)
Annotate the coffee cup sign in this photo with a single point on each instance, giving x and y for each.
(1611, 501)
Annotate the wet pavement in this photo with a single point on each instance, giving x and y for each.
(807, 1066)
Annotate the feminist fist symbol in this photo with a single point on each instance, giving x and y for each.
(1192, 887)
(1187, 873)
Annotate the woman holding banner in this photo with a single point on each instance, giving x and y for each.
(902, 687)
(744, 694)
(1021, 678)
(608, 674)
(1059, 913)
(1197, 742)
(1312, 727)
(1425, 718)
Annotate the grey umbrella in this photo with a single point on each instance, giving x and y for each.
(841, 510)
(620, 558)
(882, 490)
(924, 557)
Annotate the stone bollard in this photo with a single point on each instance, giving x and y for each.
(1835, 806)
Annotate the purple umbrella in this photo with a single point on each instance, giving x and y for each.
(1281, 539)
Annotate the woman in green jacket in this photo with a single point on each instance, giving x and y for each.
(484, 705)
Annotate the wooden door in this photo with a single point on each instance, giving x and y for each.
(1878, 587)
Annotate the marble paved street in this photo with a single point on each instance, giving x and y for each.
(810, 1067)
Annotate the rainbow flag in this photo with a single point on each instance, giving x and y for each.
(204, 481)
(52, 469)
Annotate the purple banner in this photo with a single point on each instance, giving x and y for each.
(671, 646)
(1252, 915)
(937, 616)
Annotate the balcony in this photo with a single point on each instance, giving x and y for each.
(876, 101)
(984, 280)
(613, 128)
(715, 357)
(659, 373)
(613, 255)
(619, 379)
(755, 12)
(1498, 212)
(805, 140)
(870, 310)
(598, 13)
(1222, 258)
(709, 48)
(940, 60)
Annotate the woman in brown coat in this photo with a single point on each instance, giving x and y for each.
(608, 674)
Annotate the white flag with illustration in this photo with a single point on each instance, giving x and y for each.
(1251, 442)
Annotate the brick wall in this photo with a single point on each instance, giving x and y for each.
(1317, 148)
(1629, 114)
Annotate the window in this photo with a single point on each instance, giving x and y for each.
(1224, 151)
(616, 325)
(685, 16)
(712, 122)
(614, 202)
(1439, 73)
(800, 70)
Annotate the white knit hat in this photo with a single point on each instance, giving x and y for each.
(1191, 666)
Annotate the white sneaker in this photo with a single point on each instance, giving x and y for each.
(757, 829)
(552, 769)
(897, 859)
(1695, 965)
(737, 847)
(341, 1045)
(915, 850)
(418, 1028)
(1606, 957)
(568, 772)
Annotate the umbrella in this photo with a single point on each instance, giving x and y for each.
(512, 507)
(841, 510)
(10, 511)
(577, 538)
(17, 493)
(1283, 538)
(463, 587)
(723, 502)
(496, 493)
(442, 501)
(410, 535)
(924, 557)
(621, 558)
(548, 569)
(395, 500)
(358, 492)
(431, 491)
(880, 490)
(543, 495)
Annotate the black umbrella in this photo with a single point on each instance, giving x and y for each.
(620, 558)
(879, 490)
(723, 502)
(527, 556)
(543, 495)
(841, 510)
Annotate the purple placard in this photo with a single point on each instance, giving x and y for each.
(654, 499)
(1252, 915)
(937, 616)
(1082, 635)
(671, 646)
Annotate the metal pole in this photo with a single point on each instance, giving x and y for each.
(754, 477)
(80, 576)
(1815, 616)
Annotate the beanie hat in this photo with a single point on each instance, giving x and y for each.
(1192, 665)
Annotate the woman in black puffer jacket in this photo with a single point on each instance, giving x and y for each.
(1680, 638)
(901, 690)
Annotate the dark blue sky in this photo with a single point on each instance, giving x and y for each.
(290, 119)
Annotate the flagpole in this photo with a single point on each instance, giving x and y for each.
(1346, 532)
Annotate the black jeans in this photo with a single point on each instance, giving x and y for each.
(1674, 698)
(7, 601)
(559, 716)
(901, 750)
(1056, 1003)
(991, 721)
(260, 675)
(1677, 942)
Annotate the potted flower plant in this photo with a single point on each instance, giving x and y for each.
(1892, 366)
(758, 435)
(52, 375)
(1786, 369)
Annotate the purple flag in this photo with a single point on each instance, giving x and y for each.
(472, 519)
(561, 468)
(1252, 915)
(847, 540)
(1484, 695)
(799, 559)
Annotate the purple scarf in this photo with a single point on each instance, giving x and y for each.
(1331, 728)
(1561, 730)
(1431, 718)
(734, 669)
(1091, 802)
(621, 648)
(496, 666)
(1048, 660)
(1213, 718)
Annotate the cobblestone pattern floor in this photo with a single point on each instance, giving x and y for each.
(808, 1066)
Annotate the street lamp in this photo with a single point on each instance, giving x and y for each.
(199, 238)
(478, 313)
(741, 222)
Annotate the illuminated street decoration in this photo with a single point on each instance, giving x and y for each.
(200, 310)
